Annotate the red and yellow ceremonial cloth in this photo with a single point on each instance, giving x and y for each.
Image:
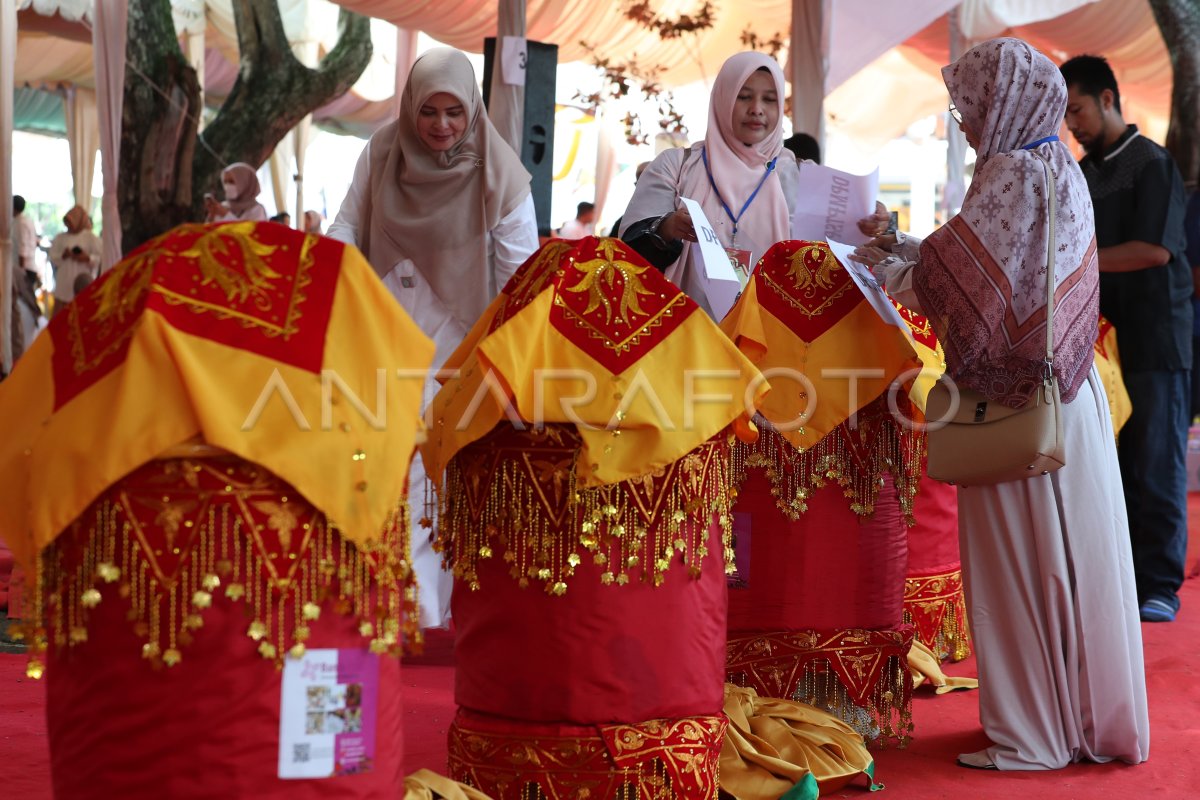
(586, 333)
(929, 351)
(279, 347)
(934, 602)
(1108, 364)
(827, 352)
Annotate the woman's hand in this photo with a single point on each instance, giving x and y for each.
(876, 224)
(678, 226)
(213, 208)
(875, 251)
(871, 256)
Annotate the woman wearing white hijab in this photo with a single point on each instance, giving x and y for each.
(441, 207)
(241, 187)
(741, 174)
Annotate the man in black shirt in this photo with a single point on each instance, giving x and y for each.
(1145, 291)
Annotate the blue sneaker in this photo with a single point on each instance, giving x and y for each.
(1155, 610)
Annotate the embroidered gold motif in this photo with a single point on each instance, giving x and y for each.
(607, 270)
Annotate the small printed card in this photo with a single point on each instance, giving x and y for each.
(327, 713)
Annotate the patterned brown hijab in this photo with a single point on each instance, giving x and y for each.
(436, 209)
(982, 278)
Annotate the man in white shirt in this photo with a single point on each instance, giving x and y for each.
(25, 236)
(25, 281)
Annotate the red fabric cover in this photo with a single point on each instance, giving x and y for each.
(205, 728)
(933, 541)
(828, 570)
(597, 654)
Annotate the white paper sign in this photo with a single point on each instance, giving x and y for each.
(722, 284)
(513, 58)
(830, 203)
(869, 286)
(327, 713)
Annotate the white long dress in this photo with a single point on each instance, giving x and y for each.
(510, 243)
(1048, 573)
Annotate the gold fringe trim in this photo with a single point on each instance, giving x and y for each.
(860, 676)
(855, 460)
(928, 597)
(514, 494)
(222, 555)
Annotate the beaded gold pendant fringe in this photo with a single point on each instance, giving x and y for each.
(513, 495)
(175, 537)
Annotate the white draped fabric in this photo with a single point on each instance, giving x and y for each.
(306, 51)
(853, 45)
(987, 19)
(956, 141)
(506, 101)
(109, 32)
(83, 139)
(8, 54)
(1123, 30)
(808, 65)
(606, 158)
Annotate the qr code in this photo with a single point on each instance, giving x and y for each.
(301, 753)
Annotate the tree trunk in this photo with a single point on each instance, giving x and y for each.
(1179, 22)
(165, 168)
(158, 128)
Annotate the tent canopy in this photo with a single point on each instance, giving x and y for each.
(887, 52)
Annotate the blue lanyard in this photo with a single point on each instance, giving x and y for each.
(749, 200)
(1047, 140)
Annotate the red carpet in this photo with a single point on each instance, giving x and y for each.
(945, 726)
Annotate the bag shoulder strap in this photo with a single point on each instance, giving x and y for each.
(1051, 248)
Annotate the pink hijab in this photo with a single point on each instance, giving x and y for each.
(736, 168)
(982, 278)
(245, 178)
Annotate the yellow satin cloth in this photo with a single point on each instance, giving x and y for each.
(775, 748)
(929, 351)
(426, 784)
(279, 347)
(586, 333)
(924, 666)
(802, 314)
(1108, 364)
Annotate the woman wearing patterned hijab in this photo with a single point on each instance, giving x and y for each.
(1046, 560)
(441, 207)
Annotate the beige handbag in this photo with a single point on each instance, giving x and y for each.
(983, 441)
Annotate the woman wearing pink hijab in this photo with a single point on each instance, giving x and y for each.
(741, 174)
(240, 183)
(1047, 562)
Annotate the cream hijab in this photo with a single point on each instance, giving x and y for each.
(738, 169)
(246, 180)
(436, 209)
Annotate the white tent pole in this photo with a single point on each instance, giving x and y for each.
(506, 101)
(109, 33)
(956, 141)
(808, 65)
(8, 66)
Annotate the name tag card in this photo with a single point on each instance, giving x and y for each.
(722, 283)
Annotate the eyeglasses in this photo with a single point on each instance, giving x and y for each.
(955, 114)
